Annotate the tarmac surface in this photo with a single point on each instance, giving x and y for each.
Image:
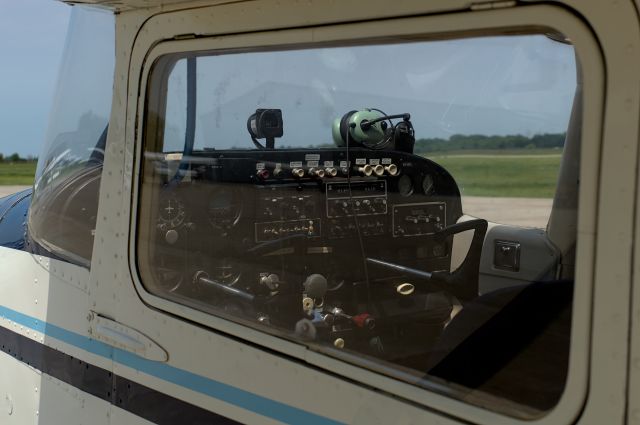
(9, 190)
(527, 212)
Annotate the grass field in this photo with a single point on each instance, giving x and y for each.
(17, 173)
(512, 173)
(498, 152)
(527, 173)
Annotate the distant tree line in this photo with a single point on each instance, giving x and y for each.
(481, 142)
(15, 157)
(461, 142)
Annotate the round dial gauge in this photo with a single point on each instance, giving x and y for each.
(170, 279)
(405, 185)
(168, 271)
(427, 184)
(224, 271)
(223, 208)
(172, 211)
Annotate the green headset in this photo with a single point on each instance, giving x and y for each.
(373, 129)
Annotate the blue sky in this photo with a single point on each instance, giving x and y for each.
(32, 37)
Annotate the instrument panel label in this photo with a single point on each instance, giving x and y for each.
(374, 161)
(361, 161)
(386, 161)
(295, 164)
(328, 163)
(274, 230)
(312, 157)
(358, 189)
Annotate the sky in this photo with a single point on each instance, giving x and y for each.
(32, 37)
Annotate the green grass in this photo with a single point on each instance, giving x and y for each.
(529, 174)
(497, 152)
(17, 173)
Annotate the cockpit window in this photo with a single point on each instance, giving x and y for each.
(493, 86)
(65, 200)
(320, 195)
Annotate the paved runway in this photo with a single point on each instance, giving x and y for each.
(8, 190)
(527, 212)
(530, 212)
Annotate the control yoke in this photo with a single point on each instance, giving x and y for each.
(463, 282)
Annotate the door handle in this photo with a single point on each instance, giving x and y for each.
(126, 338)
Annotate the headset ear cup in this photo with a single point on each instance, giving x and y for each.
(344, 125)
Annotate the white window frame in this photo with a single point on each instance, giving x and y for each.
(164, 34)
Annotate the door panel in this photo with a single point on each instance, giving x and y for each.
(514, 255)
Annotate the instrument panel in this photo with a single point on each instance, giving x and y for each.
(276, 235)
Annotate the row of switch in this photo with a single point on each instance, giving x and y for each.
(358, 206)
(422, 219)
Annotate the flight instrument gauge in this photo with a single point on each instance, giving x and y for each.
(172, 212)
(405, 185)
(225, 271)
(224, 208)
(427, 184)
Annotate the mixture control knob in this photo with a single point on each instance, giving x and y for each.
(271, 281)
(315, 286)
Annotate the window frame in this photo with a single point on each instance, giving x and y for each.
(521, 20)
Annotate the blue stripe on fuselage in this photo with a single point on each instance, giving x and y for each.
(198, 383)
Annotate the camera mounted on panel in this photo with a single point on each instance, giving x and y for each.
(265, 124)
(373, 129)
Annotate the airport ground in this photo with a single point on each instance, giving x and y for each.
(527, 212)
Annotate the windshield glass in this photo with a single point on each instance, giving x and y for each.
(65, 201)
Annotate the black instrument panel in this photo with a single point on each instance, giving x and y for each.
(245, 231)
(288, 186)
